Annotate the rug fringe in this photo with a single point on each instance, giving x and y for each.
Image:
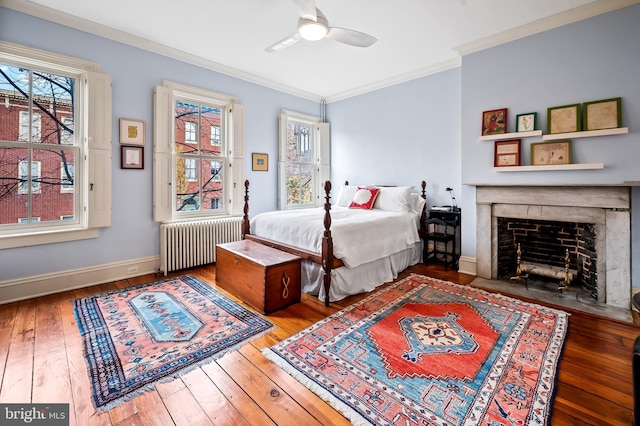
(349, 413)
(547, 369)
(183, 371)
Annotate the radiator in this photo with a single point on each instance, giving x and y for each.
(193, 243)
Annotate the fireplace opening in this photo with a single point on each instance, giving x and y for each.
(545, 244)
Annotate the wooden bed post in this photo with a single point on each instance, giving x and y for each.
(327, 243)
(423, 216)
(245, 219)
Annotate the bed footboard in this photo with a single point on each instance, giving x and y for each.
(325, 258)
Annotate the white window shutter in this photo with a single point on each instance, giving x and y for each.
(282, 123)
(99, 143)
(324, 160)
(237, 163)
(282, 160)
(162, 160)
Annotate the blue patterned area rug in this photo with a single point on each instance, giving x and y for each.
(137, 336)
(430, 352)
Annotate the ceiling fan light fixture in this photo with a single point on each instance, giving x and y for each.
(312, 31)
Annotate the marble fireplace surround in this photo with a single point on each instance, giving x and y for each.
(607, 207)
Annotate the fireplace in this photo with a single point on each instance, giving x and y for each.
(600, 214)
(551, 249)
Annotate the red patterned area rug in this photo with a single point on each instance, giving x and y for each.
(137, 336)
(430, 352)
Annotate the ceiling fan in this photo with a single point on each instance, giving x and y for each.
(313, 25)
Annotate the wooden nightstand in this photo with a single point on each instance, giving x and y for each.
(442, 237)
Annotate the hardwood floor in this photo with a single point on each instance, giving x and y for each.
(41, 361)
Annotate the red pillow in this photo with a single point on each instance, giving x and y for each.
(364, 198)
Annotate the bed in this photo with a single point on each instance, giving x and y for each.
(340, 244)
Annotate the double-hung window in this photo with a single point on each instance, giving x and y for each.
(55, 147)
(198, 153)
(304, 163)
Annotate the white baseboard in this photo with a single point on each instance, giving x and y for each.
(40, 285)
(467, 265)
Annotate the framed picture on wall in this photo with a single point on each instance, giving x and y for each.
(131, 131)
(545, 153)
(260, 162)
(563, 119)
(494, 122)
(507, 153)
(604, 114)
(131, 157)
(526, 122)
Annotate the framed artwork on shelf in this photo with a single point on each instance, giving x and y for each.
(494, 122)
(526, 122)
(131, 157)
(260, 162)
(563, 119)
(131, 132)
(545, 153)
(604, 114)
(507, 153)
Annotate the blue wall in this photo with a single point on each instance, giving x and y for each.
(133, 233)
(425, 129)
(598, 58)
(400, 135)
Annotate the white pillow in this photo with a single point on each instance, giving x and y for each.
(345, 195)
(393, 198)
(416, 203)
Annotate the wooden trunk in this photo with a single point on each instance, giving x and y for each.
(263, 277)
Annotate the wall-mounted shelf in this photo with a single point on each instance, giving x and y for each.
(514, 135)
(586, 134)
(584, 166)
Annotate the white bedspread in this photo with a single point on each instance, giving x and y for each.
(359, 236)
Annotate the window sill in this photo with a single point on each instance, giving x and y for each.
(47, 238)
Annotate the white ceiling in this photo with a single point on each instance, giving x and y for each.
(415, 37)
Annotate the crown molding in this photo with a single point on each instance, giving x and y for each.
(558, 20)
(580, 13)
(94, 28)
(401, 78)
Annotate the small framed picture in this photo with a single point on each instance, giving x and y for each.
(604, 114)
(545, 153)
(563, 119)
(131, 157)
(507, 153)
(526, 122)
(131, 132)
(494, 122)
(260, 162)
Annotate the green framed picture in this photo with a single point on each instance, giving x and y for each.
(546, 153)
(563, 119)
(526, 122)
(604, 114)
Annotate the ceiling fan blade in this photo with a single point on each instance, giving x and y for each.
(285, 42)
(351, 37)
(306, 9)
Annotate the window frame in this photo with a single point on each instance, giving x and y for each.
(67, 138)
(93, 150)
(217, 141)
(35, 126)
(65, 187)
(193, 130)
(34, 170)
(232, 158)
(321, 161)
